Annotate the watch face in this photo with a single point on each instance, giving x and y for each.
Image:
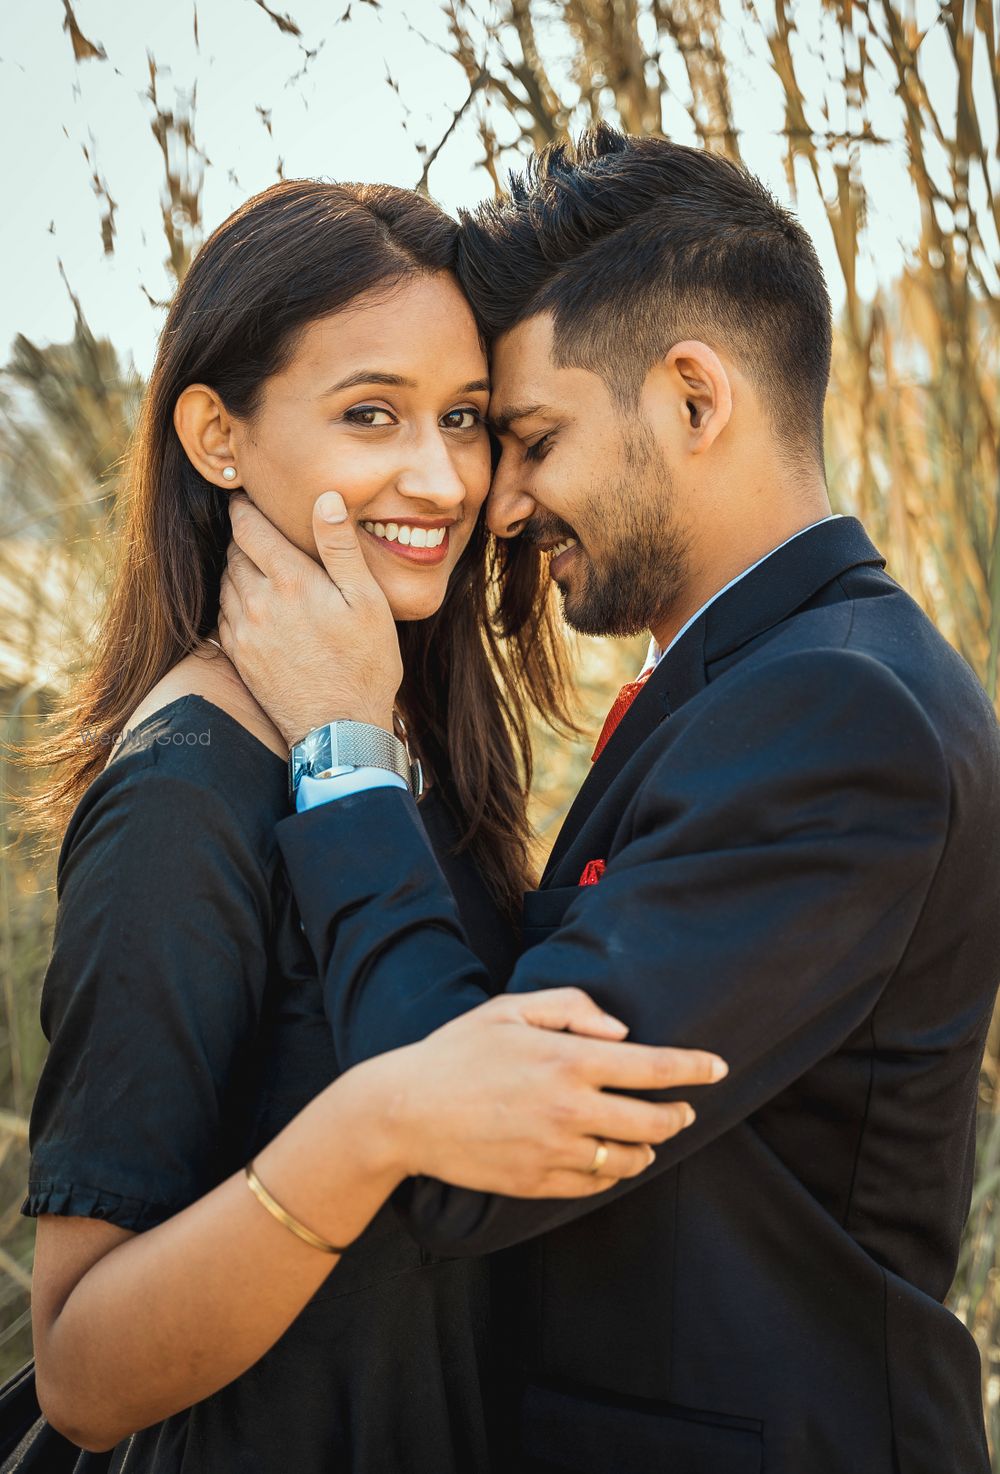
(315, 748)
(311, 755)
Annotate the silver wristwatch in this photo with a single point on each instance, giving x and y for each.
(351, 745)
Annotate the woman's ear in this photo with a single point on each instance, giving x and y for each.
(205, 429)
(703, 391)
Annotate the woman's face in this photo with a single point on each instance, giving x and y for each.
(384, 402)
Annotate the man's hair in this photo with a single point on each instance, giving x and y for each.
(634, 244)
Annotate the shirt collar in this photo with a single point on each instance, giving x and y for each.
(654, 654)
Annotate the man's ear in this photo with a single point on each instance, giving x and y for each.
(205, 429)
(699, 393)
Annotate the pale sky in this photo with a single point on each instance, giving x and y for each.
(341, 120)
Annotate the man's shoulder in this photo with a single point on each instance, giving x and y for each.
(810, 687)
(866, 684)
(886, 642)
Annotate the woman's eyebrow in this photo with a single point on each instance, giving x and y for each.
(370, 376)
(377, 376)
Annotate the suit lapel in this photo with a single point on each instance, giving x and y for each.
(679, 675)
(787, 580)
(761, 600)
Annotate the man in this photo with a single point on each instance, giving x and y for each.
(786, 850)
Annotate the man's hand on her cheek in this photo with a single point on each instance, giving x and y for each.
(312, 646)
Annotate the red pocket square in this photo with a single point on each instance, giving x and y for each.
(592, 872)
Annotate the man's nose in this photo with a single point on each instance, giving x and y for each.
(508, 505)
(432, 475)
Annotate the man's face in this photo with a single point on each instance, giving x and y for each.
(586, 481)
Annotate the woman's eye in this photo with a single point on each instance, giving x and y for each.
(454, 417)
(537, 451)
(367, 414)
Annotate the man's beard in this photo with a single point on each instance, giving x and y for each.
(643, 565)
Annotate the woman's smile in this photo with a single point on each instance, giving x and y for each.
(425, 543)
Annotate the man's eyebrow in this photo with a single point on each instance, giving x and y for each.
(377, 376)
(501, 423)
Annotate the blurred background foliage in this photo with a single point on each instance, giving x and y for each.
(912, 424)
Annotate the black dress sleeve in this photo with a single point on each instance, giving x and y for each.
(152, 995)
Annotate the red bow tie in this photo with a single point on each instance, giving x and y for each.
(622, 702)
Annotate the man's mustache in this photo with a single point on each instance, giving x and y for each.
(542, 530)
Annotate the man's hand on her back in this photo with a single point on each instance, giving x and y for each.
(312, 646)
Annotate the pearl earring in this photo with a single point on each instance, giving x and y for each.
(229, 473)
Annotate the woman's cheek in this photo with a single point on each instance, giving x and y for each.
(289, 508)
(477, 476)
(359, 472)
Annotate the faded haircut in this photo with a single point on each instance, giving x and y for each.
(635, 244)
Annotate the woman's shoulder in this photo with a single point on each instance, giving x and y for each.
(193, 756)
(211, 681)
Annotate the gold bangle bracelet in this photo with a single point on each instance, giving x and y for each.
(275, 1209)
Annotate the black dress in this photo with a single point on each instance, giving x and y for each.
(187, 1028)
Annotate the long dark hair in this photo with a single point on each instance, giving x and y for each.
(474, 671)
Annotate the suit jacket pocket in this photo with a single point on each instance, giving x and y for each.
(544, 911)
(584, 1435)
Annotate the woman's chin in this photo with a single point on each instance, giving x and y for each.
(410, 607)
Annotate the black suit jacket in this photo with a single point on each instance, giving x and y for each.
(800, 816)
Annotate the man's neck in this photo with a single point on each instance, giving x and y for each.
(717, 571)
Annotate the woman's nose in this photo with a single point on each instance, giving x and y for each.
(432, 476)
(508, 506)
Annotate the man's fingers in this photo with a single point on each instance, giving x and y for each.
(338, 547)
(241, 570)
(263, 544)
(228, 597)
(647, 1066)
(566, 1008)
(225, 633)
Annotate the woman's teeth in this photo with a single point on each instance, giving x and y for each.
(564, 546)
(410, 537)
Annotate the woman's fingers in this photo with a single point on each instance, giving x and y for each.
(603, 1059)
(565, 1008)
(572, 1185)
(614, 1158)
(533, 1111)
(617, 1163)
(624, 1119)
(643, 1066)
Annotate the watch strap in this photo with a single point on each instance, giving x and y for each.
(345, 744)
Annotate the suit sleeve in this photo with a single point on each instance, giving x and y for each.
(769, 872)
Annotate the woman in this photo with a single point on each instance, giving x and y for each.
(319, 339)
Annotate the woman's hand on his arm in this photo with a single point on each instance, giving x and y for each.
(515, 1096)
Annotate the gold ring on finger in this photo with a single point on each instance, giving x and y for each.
(601, 1154)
